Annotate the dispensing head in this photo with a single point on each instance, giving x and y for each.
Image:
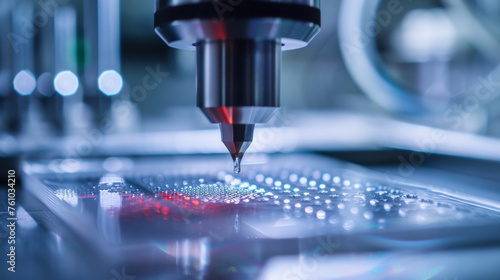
(238, 45)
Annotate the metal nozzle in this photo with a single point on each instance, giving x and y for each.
(237, 138)
(238, 86)
(238, 56)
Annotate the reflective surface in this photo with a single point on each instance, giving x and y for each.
(238, 73)
(185, 33)
(215, 224)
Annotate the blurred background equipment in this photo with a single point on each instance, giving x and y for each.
(89, 91)
(74, 69)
